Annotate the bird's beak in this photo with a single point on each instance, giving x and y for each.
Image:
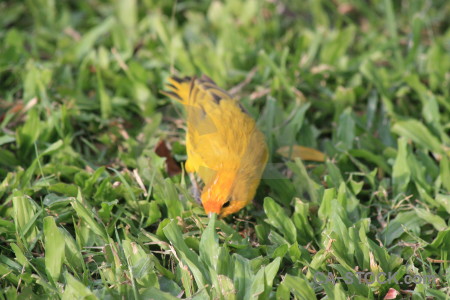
(210, 215)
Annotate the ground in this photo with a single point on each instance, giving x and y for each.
(352, 96)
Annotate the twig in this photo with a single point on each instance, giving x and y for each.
(237, 88)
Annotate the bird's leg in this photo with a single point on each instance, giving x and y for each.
(195, 189)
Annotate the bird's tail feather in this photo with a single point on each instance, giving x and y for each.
(179, 88)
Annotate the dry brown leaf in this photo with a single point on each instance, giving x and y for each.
(304, 153)
(163, 151)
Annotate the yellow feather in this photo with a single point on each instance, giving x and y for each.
(223, 144)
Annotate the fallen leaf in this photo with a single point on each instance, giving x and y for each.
(304, 153)
(162, 150)
(391, 294)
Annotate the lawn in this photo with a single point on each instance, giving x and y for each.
(352, 96)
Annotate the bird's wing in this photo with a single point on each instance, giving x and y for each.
(219, 129)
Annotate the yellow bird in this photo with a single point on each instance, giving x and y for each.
(223, 144)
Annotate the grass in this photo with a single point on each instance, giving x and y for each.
(88, 209)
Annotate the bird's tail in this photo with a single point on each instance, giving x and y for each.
(179, 88)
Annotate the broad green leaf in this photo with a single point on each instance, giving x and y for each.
(445, 172)
(396, 227)
(302, 181)
(104, 98)
(226, 288)
(87, 216)
(278, 218)
(299, 287)
(283, 293)
(167, 193)
(379, 160)
(25, 215)
(209, 246)
(431, 218)
(258, 284)
(74, 289)
(72, 253)
(355, 288)
(153, 293)
(186, 255)
(86, 44)
(243, 277)
(5, 139)
(345, 133)
(417, 132)
(401, 173)
(20, 257)
(52, 148)
(54, 248)
(326, 208)
(305, 232)
(271, 271)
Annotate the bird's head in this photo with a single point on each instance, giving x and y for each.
(218, 192)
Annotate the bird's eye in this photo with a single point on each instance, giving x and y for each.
(226, 204)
